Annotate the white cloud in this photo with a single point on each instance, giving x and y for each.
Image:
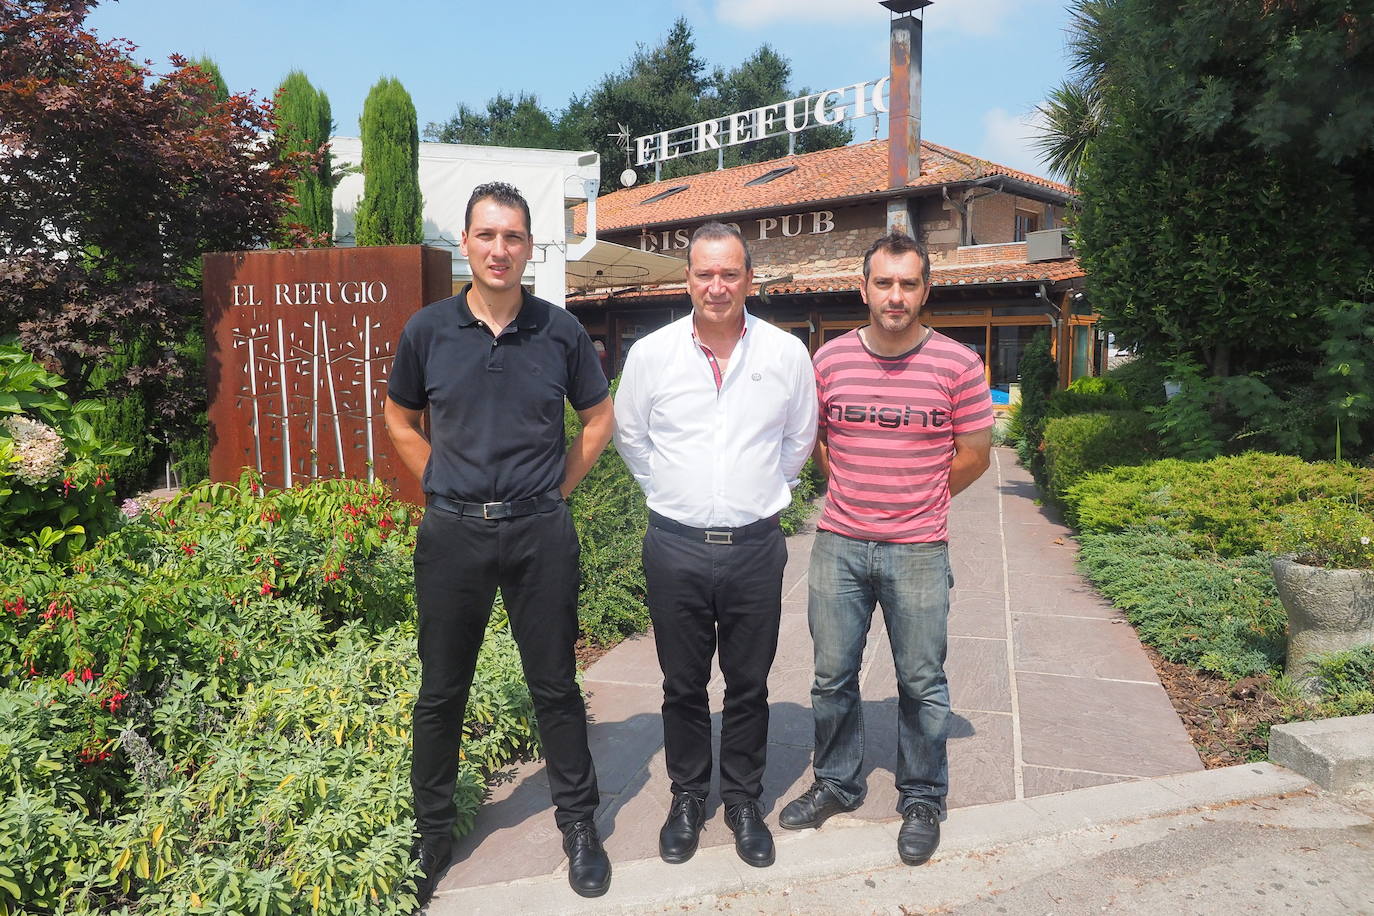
(1007, 140)
(973, 17)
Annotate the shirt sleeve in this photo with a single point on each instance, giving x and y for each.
(972, 401)
(587, 385)
(799, 433)
(632, 406)
(406, 383)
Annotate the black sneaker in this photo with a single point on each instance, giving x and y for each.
(589, 868)
(919, 836)
(677, 841)
(812, 807)
(434, 857)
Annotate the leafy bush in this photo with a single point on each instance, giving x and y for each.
(54, 478)
(1334, 533)
(799, 510)
(125, 418)
(1219, 615)
(1039, 377)
(1141, 380)
(1090, 394)
(1345, 681)
(1082, 443)
(209, 711)
(1233, 506)
(608, 509)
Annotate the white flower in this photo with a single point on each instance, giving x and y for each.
(1365, 540)
(130, 508)
(38, 449)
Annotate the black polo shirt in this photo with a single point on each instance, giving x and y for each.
(495, 403)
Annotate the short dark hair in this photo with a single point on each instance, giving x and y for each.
(899, 243)
(714, 231)
(507, 195)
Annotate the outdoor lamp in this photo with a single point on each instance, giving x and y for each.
(902, 7)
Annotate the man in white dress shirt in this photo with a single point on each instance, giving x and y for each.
(715, 416)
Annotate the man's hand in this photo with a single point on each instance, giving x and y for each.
(972, 456)
(408, 436)
(598, 424)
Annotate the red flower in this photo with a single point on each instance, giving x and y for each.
(17, 606)
(114, 701)
(69, 677)
(189, 549)
(266, 588)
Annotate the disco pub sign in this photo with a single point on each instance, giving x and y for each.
(793, 116)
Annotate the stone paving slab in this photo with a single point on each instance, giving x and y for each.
(1051, 691)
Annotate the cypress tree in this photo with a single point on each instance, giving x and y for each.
(211, 69)
(389, 213)
(303, 124)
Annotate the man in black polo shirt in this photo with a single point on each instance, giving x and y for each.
(494, 365)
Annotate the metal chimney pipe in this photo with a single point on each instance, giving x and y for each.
(904, 117)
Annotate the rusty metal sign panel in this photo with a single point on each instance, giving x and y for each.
(299, 344)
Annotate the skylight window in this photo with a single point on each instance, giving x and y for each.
(663, 195)
(770, 176)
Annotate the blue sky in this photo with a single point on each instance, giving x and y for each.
(988, 63)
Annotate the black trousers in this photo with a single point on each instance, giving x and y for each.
(702, 596)
(459, 564)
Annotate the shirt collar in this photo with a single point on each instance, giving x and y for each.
(526, 319)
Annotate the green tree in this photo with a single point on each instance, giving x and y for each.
(507, 121)
(304, 124)
(211, 70)
(390, 211)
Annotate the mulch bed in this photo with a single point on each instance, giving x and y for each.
(1225, 720)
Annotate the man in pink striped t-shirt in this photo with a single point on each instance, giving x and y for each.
(905, 423)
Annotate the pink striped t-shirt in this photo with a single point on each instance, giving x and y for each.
(890, 424)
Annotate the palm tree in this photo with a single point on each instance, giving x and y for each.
(1073, 115)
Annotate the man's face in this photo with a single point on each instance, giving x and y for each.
(497, 245)
(717, 281)
(894, 291)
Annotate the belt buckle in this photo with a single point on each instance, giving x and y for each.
(720, 537)
(486, 510)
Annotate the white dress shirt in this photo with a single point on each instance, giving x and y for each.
(709, 458)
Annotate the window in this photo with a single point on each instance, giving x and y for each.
(770, 176)
(1025, 222)
(663, 195)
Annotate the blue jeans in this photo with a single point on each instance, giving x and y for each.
(911, 583)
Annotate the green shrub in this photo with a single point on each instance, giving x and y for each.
(125, 419)
(1141, 380)
(1039, 377)
(1333, 533)
(608, 509)
(1219, 615)
(209, 711)
(1083, 443)
(800, 509)
(1233, 506)
(54, 475)
(1090, 394)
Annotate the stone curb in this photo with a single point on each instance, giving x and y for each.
(848, 845)
(1336, 754)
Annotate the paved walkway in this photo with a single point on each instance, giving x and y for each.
(1050, 687)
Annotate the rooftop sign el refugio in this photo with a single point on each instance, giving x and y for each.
(793, 116)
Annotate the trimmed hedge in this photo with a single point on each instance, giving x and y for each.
(1231, 506)
(1080, 444)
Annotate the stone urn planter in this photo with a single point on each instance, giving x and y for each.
(1329, 610)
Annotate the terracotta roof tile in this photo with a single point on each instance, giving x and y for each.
(859, 170)
(952, 275)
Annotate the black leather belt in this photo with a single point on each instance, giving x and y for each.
(753, 531)
(513, 509)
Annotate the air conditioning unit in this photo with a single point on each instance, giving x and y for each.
(1048, 245)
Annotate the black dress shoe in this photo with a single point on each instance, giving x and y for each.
(920, 833)
(753, 842)
(677, 841)
(589, 868)
(812, 807)
(434, 857)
